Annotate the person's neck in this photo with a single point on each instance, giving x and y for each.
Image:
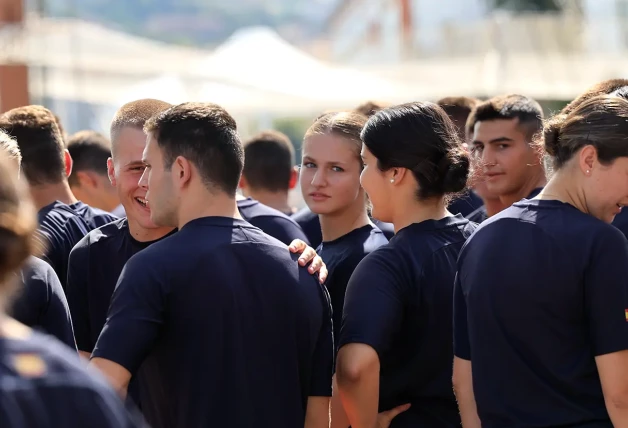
(46, 194)
(206, 204)
(493, 206)
(333, 226)
(276, 200)
(534, 182)
(562, 188)
(142, 234)
(414, 211)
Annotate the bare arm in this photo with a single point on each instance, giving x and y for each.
(463, 388)
(358, 384)
(118, 376)
(613, 370)
(338, 416)
(317, 415)
(86, 355)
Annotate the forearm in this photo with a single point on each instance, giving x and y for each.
(618, 412)
(360, 398)
(468, 409)
(338, 416)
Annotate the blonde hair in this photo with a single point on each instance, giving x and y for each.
(345, 124)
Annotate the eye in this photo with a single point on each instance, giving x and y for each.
(137, 168)
(337, 169)
(503, 146)
(308, 165)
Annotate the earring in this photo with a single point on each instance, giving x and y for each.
(392, 180)
(588, 172)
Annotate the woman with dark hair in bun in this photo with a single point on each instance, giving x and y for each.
(541, 295)
(394, 341)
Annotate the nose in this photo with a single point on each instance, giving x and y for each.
(143, 183)
(319, 179)
(487, 159)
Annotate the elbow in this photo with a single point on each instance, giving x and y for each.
(617, 400)
(349, 371)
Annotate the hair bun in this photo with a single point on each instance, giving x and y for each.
(456, 173)
(551, 134)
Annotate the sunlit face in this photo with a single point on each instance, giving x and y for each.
(377, 187)
(157, 181)
(505, 154)
(606, 190)
(125, 170)
(480, 186)
(330, 174)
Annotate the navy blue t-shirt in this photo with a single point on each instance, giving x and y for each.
(399, 302)
(311, 225)
(273, 222)
(93, 271)
(341, 256)
(465, 204)
(45, 385)
(479, 215)
(621, 221)
(542, 289)
(61, 226)
(227, 328)
(41, 303)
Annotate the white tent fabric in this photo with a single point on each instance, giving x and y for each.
(258, 57)
(167, 88)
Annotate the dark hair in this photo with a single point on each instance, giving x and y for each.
(458, 109)
(602, 88)
(600, 121)
(420, 137)
(369, 108)
(347, 125)
(37, 133)
(18, 222)
(268, 161)
(206, 135)
(134, 115)
(90, 151)
(526, 110)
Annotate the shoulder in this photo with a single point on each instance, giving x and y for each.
(102, 236)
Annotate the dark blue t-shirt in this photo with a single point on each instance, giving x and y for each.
(227, 328)
(311, 225)
(93, 271)
(542, 289)
(41, 303)
(341, 256)
(479, 215)
(273, 222)
(621, 221)
(399, 302)
(61, 226)
(45, 385)
(465, 204)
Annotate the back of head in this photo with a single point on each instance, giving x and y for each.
(18, 221)
(39, 139)
(268, 161)
(344, 124)
(369, 108)
(603, 88)
(135, 114)
(527, 111)
(90, 151)
(600, 121)
(207, 136)
(421, 138)
(458, 109)
(10, 149)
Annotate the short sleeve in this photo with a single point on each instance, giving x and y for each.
(77, 285)
(373, 307)
(606, 293)
(462, 348)
(136, 313)
(323, 361)
(56, 318)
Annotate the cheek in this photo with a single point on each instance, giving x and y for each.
(305, 178)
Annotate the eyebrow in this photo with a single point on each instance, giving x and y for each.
(135, 163)
(494, 140)
(311, 159)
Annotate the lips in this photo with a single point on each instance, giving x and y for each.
(318, 196)
(141, 201)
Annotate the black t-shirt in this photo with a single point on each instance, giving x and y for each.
(311, 225)
(227, 328)
(341, 256)
(93, 271)
(41, 303)
(399, 302)
(465, 204)
(61, 226)
(273, 222)
(44, 385)
(542, 289)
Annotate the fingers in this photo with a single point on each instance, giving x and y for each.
(322, 272)
(385, 418)
(297, 246)
(307, 255)
(399, 409)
